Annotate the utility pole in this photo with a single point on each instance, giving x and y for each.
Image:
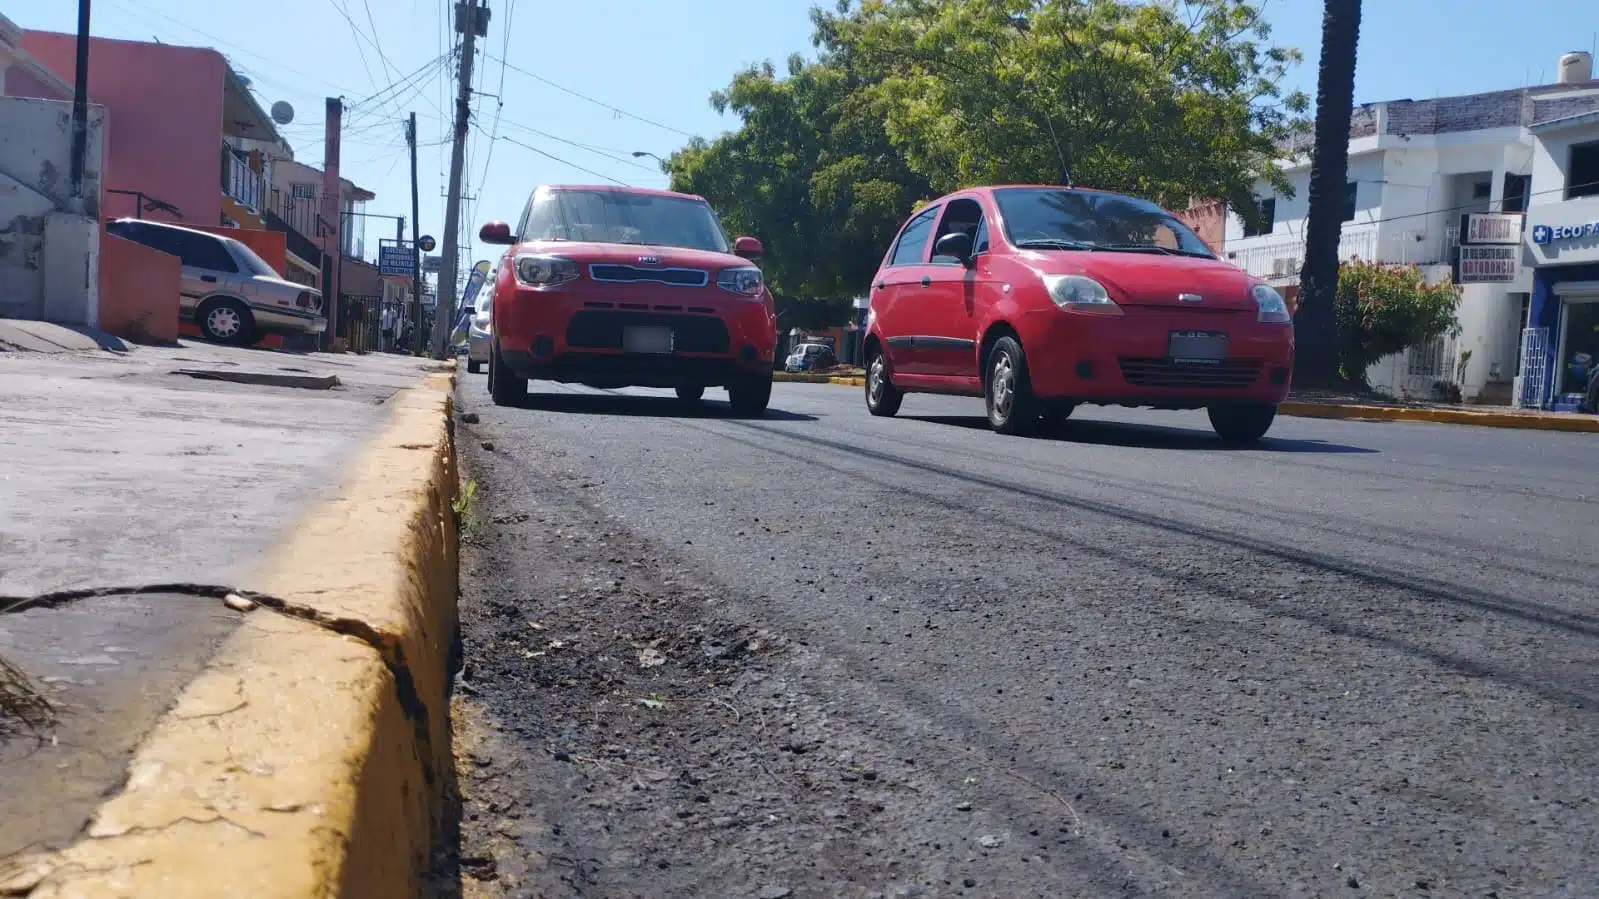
(80, 109)
(466, 22)
(416, 245)
(332, 217)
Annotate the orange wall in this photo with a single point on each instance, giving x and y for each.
(164, 133)
(138, 291)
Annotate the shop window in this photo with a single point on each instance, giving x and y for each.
(1267, 216)
(1582, 175)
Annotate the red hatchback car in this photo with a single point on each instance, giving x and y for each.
(1043, 298)
(617, 286)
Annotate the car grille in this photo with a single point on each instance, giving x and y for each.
(603, 330)
(1166, 373)
(631, 274)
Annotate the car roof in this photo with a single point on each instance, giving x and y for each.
(169, 226)
(624, 189)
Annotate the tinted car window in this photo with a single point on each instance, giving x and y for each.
(980, 242)
(913, 240)
(202, 251)
(1039, 216)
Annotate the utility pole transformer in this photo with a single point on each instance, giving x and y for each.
(471, 25)
(416, 247)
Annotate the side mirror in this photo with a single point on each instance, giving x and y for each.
(957, 244)
(496, 233)
(748, 248)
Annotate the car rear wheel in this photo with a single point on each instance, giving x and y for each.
(1055, 414)
(505, 388)
(749, 399)
(1007, 390)
(1242, 423)
(691, 394)
(882, 398)
(225, 321)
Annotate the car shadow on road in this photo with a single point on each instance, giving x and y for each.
(1141, 436)
(634, 406)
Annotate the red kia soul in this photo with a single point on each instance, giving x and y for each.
(1039, 299)
(618, 286)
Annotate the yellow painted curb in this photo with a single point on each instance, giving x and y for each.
(311, 758)
(1521, 420)
(789, 377)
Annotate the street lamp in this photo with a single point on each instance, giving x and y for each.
(640, 154)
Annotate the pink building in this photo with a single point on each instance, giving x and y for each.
(171, 111)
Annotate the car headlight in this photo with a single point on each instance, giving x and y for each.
(744, 281)
(1270, 304)
(1080, 294)
(543, 272)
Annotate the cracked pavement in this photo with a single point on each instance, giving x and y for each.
(910, 657)
(120, 471)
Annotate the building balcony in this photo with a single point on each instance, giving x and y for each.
(1280, 256)
(242, 183)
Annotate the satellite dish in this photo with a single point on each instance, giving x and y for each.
(282, 112)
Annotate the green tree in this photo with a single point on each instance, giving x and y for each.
(1167, 101)
(1382, 309)
(811, 173)
(1317, 358)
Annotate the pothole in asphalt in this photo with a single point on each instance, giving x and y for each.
(268, 379)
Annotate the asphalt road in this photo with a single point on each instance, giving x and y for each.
(822, 654)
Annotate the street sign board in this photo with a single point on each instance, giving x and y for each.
(432, 264)
(396, 259)
(427, 243)
(1491, 228)
(1488, 264)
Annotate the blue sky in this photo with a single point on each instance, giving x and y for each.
(659, 60)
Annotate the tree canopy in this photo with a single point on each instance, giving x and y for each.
(908, 99)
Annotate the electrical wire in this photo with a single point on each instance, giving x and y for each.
(564, 162)
(581, 96)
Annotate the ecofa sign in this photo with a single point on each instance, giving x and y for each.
(1490, 245)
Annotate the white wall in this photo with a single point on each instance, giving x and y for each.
(35, 185)
(1551, 155)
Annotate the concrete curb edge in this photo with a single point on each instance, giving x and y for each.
(312, 755)
(1517, 420)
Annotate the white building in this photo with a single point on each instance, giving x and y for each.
(1561, 243)
(1415, 167)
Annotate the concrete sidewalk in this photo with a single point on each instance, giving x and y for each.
(148, 466)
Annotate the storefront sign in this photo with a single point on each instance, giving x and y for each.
(1543, 235)
(1488, 264)
(396, 259)
(432, 264)
(1490, 228)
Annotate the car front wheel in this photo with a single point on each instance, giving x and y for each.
(749, 399)
(505, 387)
(881, 396)
(691, 394)
(1243, 423)
(1008, 391)
(226, 321)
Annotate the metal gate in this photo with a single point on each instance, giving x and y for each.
(1534, 374)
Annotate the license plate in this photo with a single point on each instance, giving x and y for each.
(647, 340)
(1197, 347)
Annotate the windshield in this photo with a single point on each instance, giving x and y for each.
(254, 264)
(608, 216)
(1059, 219)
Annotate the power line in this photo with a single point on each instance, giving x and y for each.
(563, 161)
(580, 96)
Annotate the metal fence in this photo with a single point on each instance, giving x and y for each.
(361, 322)
(1534, 375)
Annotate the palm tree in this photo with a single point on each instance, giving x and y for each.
(1317, 329)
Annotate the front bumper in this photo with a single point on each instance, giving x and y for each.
(576, 335)
(1122, 360)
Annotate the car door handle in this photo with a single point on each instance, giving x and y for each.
(209, 279)
(926, 281)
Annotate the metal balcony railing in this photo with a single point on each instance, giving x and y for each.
(1281, 256)
(241, 182)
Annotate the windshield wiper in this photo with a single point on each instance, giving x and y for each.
(1168, 251)
(1052, 243)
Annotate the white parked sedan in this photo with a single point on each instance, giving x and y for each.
(477, 333)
